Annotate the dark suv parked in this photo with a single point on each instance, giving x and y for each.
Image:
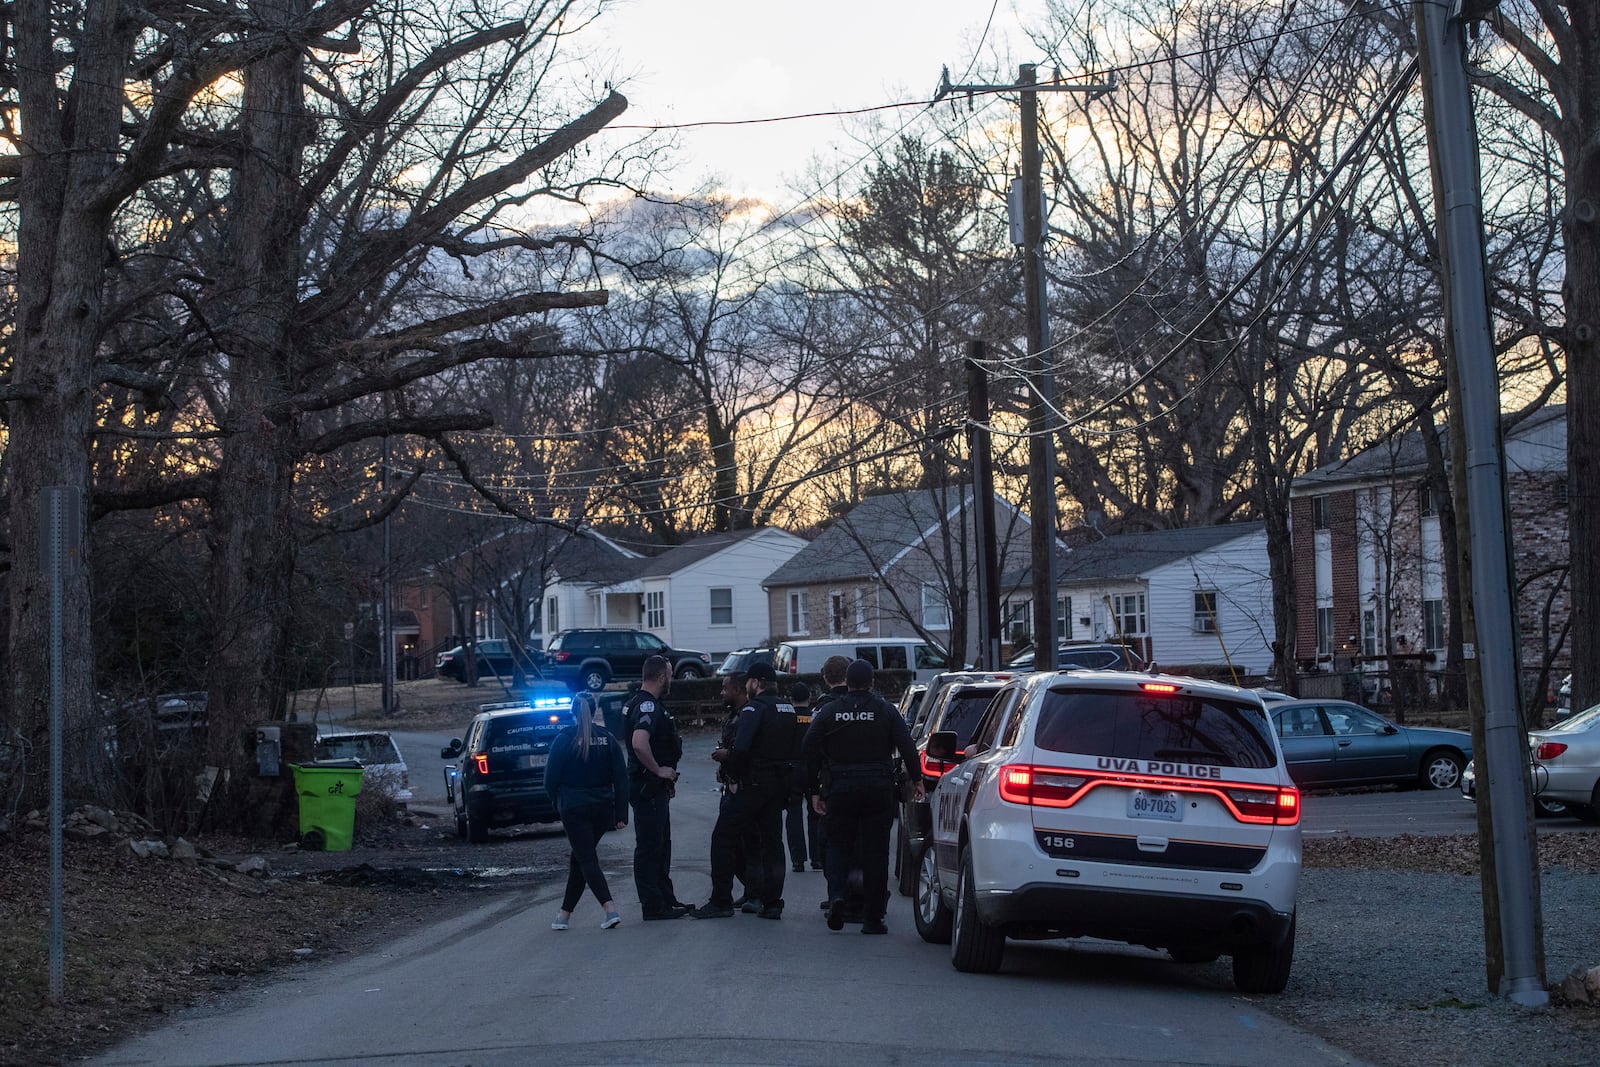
(588, 659)
(955, 701)
(1085, 656)
(493, 658)
(497, 777)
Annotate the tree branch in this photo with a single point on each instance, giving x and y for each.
(416, 425)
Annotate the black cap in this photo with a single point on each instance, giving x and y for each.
(859, 675)
(762, 672)
(799, 692)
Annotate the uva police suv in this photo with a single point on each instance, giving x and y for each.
(1150, 809)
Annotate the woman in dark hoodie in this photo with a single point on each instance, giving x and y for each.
(587, 779)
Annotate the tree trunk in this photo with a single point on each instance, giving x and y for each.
(61, 254)
(1581, 297)
(251, 532)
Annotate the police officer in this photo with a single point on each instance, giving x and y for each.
(733, 698)
(855, 738)
(654, 749)
(795, 808)
(759, 770)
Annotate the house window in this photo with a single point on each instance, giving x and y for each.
(1369, 633)
(836, 611)
(655, 610)
(552, 615)
(861, 611)
(1433, 624)
(1016, 627)
(797, 613)
(1205, 611)
(1429, 502)
(935, 608)
(1319, 513)
(1064, 618)
(1325, 631)
(722, 607)
(1130, 614)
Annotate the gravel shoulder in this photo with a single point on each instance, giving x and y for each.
(1389, 966)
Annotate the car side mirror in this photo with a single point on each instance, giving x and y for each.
(942, 746)
(1389, 729)
(452, 750)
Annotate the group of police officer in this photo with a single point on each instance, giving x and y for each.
(839, 754)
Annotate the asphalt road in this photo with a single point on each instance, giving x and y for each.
(496, 986)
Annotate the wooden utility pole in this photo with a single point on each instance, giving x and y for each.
(989, 635)
(1041, 374)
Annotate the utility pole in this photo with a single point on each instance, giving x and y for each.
(1042, 405)
(1479, 471)
(983, 514)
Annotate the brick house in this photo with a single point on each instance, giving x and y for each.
(1369, 572)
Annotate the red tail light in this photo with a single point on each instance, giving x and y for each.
(1158, 687)
(935, 768)
(561, 657)
(483, 763)
(1549, 750)
(1058, 787)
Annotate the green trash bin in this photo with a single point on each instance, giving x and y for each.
(327, 791)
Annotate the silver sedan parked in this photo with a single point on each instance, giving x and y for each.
(1567, 762)
(1337, 743)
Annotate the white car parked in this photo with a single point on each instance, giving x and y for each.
(1143, 808)
(382, 766)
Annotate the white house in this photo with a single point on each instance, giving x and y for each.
(704, 594)
(1201, 595)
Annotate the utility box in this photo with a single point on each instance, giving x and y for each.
(269, 751)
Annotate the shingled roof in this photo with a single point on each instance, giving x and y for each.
(869, 537)
(1131, 555)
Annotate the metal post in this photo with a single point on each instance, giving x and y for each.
(1041, 440)
(59, 528)
(385, 611)
(989, 635)
(1443, 43)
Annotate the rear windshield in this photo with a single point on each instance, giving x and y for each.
(1099, 659)
(1145, 726)
(362, 748)
(519, 733)
(962, 712)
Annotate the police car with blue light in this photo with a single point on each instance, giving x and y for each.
(1149, 809)
(496, 778)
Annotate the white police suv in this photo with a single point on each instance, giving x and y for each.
(1150, 809)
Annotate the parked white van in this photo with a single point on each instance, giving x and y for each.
(886, 653)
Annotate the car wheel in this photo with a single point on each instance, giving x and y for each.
(477, 829)
(928, 907)
(594, 679)
(1265, 968)
(461, 825)
(1591, 811)
(1551, 809)
(974, 947)
(1441, 769)
(689, 670)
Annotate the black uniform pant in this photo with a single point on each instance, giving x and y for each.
(752, 818)
(794, 828)
(652, 844)
(585, 826)
(860, 815)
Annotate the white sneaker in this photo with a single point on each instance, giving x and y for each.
(559, 924)
(613, 920)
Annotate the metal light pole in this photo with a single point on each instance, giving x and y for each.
(1442, 46)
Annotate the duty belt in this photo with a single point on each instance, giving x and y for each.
(861, 770)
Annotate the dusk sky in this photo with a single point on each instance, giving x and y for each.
(694, 60)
